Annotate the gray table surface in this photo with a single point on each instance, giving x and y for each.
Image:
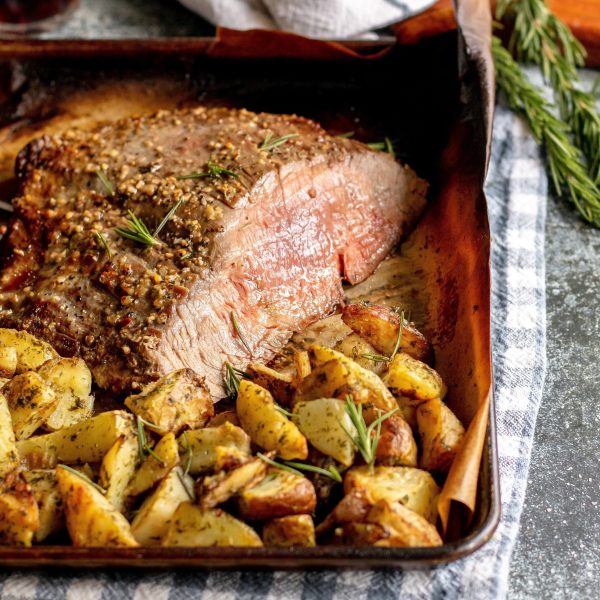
(558, 549)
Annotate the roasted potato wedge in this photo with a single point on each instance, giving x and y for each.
(174, 402)
(280, 493)
(327, 426)
(441, 435)
(413, 379)
(9, 457)
(201, 444)
(31, 352)
(71, 381)
(192, 526)
(87, 441)
(359, 350)
(30, 401)
(218, 488)
(367, 387)
(352, 508)
(301, 365)
(397, 446)
(19, 513)
(91, 519)
(47, 495)
(153, 519)
(266, 425)
(117, 469)
(152, 470)
(279, 384)
(363, 534)
(227, 416)
(8, 361)
(291, 531)
(404, 527)
(414, 488)
(380, 325)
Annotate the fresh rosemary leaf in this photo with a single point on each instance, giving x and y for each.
(236, 328)
(331, 472)
(212, 170)
(268, 143)
(104, 243)
(155, 456)
(143, 446)
(189, 454)
(167, 218)
(83, 476)
(232, 378)
(385, 146)
(348, 134)
(399, 338)
(375, 357)
(285, 413)
(105, 181)
(183, 482)
(565, 161)
(367, 438)
(137, 231)
(278, 465)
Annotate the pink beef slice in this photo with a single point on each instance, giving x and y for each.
(247, 259)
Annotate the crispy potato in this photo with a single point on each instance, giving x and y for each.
(153, 519)
(202, 443)
(216, 489)
(379, 325)
(91, 519)
(192, 526)
(9, 457)
(8, 361)
(30, 401)
(290, 531)
(279, 494)
(414, 488)
(47, 495)
(266, 425)
(327, 425)
(413, 379)
(358, 349)
(31, 352)
(396, 445)
(441, 435)
(151, 470)
(117, 469)
(332, 379)
(19, 513)
(408, 410)
(228, 458)
(227, 416)
(302, 366)
(279, 384)
(404, 527)
(352, 508)
(174, 402)
(71, 381)
(363, 534)
(87, 441)
(371, 388)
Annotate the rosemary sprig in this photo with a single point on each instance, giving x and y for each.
(297, 468)
(137, 231)
(285, 413)
(188, 453)
(268, 143)
(83, 476)
(346, 135)
(367, 438)
(564, 159)
(375, 357)
(105, 181)
(238, 332)
(143, 446)
(104, 243)
(213, 169)
(184, 484)
(232, 379)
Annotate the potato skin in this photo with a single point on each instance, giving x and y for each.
(413, 379)
(19, 513)
(279, 494)
(291, 531)
(379, 325)
(47, 495)
(397, 445)
(9, 456)
(363, 534)
(279, 384)
(441, 435)
(356, 347)
(267, 427)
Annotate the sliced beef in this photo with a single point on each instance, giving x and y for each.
(251, 255)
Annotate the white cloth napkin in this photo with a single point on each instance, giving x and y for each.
(331, 19)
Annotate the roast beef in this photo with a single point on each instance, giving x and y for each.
(272, 214)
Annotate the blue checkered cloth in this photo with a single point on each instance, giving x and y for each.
(516, 190)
